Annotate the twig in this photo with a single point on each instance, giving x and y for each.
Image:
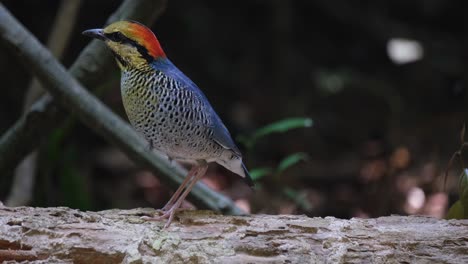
(72, 96)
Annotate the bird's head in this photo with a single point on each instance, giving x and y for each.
(132, 44)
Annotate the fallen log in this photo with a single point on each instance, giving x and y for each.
(62, 235)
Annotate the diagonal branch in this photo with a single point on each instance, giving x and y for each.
(29, 131)
(74, 97)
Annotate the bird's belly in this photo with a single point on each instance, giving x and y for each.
(170, 126)
(171, 133)
(177, 144)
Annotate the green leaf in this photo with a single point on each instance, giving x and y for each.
(259, 173)
(463, 188)
(276, 127)
(290, 161)
(464, 192)
(299, 198)
(283, 126)
(457, 211)
(290, 193)
(73, 185)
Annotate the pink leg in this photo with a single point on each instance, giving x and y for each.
(182, 186)
(171, 212)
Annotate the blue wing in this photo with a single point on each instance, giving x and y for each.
(222, 136)
(220, 133)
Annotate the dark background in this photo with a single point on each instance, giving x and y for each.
(383, 131)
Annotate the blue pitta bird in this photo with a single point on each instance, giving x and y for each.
(167, 108)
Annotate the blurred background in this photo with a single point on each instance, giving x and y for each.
(342, 108)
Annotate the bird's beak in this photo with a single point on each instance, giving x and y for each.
(95, 33)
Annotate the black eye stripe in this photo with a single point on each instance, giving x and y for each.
(116, 36)
(121, 38)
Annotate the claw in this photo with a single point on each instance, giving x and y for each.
(166, 214)
(169, 221)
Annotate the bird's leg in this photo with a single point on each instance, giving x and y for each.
(182, 186)
(201, 170)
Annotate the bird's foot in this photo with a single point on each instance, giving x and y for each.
(169, 215)
(164, 214)
(168, 206)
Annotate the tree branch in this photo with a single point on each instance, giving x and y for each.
(28, 131)
(57, 235)
(72, 96)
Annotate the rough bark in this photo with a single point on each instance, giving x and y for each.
(58, 235)
(92, 112)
